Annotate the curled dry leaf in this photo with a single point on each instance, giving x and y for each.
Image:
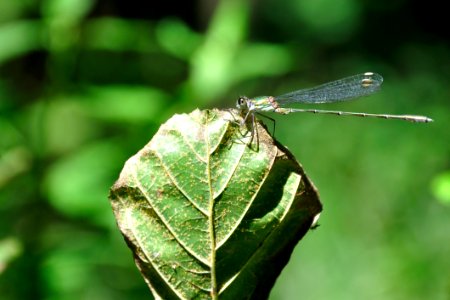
(207, 214)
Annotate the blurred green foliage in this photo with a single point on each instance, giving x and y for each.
(85, 84)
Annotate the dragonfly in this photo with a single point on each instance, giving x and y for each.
(344, 89)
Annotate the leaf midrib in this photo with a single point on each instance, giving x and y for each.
(212, 235)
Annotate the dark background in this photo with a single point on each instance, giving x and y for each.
(85, 84)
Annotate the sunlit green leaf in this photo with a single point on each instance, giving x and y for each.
(177, 38)
(20, 37)
(74, 184)
(214, 60)
(206, 214)
(66, 11)
(252, 61)
(441, 187)
(125, 103)
(10, 248)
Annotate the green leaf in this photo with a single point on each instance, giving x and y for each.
(10, 249)
(208, 216)
(440, 186)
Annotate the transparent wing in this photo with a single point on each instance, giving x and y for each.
(339, 90)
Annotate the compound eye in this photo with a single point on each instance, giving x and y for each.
(242, 103)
